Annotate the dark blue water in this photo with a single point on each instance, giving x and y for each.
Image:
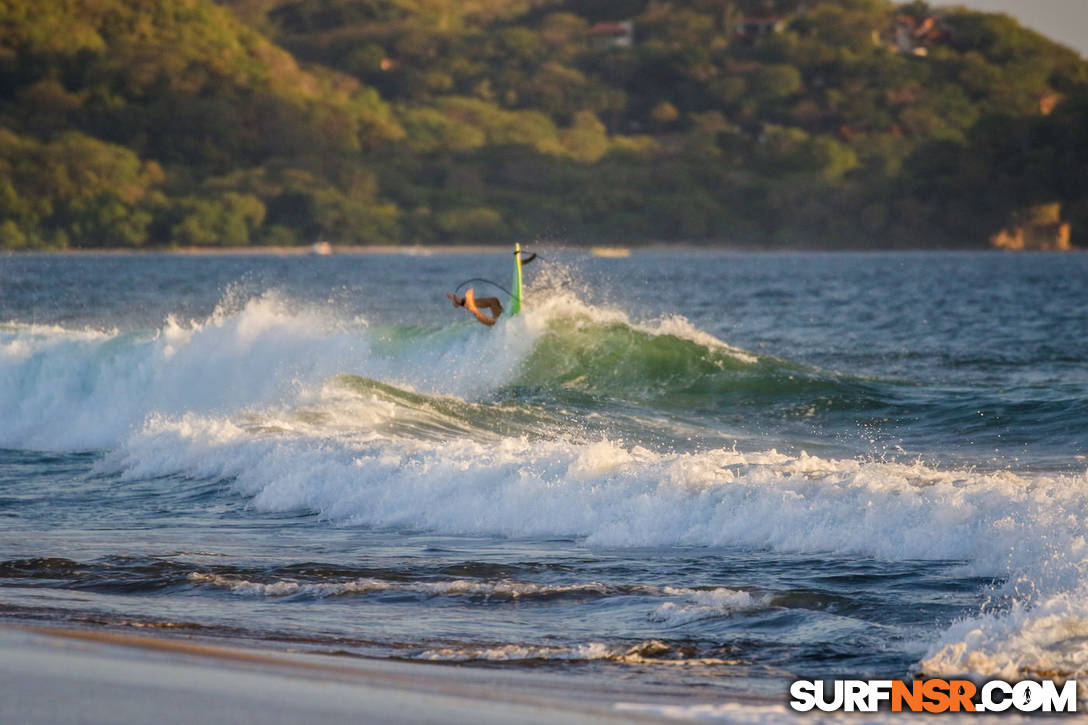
(697, 468)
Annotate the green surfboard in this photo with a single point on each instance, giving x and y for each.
(515, 301)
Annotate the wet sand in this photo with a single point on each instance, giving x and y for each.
(60, 676)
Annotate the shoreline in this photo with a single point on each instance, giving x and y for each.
(60, 675)
(480, 249)
(428, 250)
(266, 251)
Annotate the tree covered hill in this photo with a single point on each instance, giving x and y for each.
(779, 122)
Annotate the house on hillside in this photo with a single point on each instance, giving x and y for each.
(621, 34)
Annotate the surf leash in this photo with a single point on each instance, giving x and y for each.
(532, 256)
(485, 281)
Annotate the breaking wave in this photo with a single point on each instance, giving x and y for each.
(88, 389)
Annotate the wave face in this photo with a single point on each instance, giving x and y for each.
(89, 388)
(577, 422)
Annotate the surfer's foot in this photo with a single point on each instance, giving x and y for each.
(456, 302)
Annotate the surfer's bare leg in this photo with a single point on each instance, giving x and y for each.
(492, 304)
(472, 305)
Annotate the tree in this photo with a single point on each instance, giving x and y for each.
(226, 221)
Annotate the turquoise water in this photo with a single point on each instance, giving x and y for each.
(699, 468)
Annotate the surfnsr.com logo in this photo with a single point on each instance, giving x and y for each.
(933, 696)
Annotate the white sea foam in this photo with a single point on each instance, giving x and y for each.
(519, 653)
(74, 389)
(616, 495)
(1027, 527)
(704, 604)
(1046, 637)
(650, 652)
(693, 604)
(501, 589)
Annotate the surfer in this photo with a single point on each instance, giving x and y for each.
(473, 305)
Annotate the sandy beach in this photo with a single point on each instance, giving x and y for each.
(57, 676)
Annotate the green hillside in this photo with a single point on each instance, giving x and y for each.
(832, 123)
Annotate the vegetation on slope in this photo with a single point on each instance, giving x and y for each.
(830, 123)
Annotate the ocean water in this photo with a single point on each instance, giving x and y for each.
(704, 470)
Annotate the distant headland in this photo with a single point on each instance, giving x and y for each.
(817, 124)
